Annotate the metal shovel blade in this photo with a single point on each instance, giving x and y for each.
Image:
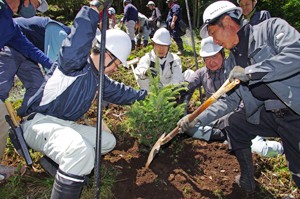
(155, 149)
(227, 86)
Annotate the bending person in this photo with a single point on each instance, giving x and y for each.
(67, 93)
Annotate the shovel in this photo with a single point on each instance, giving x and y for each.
(227, 86)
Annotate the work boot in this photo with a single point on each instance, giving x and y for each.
(132, 44)
(138, 43)
(180, 52)
(246, 180)
(67, 186)
(145, 43)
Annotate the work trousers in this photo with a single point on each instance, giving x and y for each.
(14, 63)
(3, 128)
(284, 124)
(130, 29)
(69, 144)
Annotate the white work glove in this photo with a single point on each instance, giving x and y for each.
(238, 72)
(184, 124)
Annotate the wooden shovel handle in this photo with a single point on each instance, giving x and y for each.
(227, 86)
(11, 113)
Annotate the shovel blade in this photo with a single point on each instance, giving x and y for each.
(155, 149)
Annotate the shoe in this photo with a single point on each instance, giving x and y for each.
(180, 52)
(7, 171)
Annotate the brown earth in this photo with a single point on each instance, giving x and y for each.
(196, 169)
(183, 168)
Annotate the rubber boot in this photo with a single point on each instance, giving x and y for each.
(246, 179)
(180, 48)
(132, 44)
(67, 186)
(145, 43)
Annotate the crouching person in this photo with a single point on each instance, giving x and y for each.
(67, 93)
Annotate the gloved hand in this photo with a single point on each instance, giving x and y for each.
(184, 124)
(238, 73)
(100, 4)
(151, 71)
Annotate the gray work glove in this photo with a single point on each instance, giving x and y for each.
(184, 124)
(100, 4)
(238, 73)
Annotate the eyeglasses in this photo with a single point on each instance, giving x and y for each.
(210, 58)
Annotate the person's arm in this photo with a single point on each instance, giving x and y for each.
(76, 47)
(142, 67)
(174, 19)
(282, 51)
(158, 14)
(177, 75)
(118, 93)
(126, 13)
(27, 49)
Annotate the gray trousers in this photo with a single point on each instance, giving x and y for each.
(3, 128)
(14, 63)
(285, 125)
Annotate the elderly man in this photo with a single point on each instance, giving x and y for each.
(267, 56)
(211, 77)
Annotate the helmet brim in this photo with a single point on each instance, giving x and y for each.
(203, 31)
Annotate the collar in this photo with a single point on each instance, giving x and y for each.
(220, 70)
(240, 52)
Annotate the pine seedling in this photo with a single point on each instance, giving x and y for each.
(159, 113)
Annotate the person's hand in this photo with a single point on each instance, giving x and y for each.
(151, 71)
(238, 73)
(172, 25)
(185, 124)
(100, 4)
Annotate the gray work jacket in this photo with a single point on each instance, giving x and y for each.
(274, 49)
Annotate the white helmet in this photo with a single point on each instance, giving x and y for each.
(209, 48)
(111, 11)
(162, 37)
(118, 44)
(150, 3)
(215, 10)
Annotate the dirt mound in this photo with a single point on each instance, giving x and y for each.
(186, 168)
